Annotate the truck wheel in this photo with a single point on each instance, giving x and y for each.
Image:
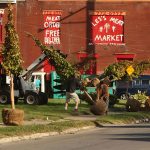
(31, 98)
(4, 97)
(43, 99)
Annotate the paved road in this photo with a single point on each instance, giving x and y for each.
(134, 137)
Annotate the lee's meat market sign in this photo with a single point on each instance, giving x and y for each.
(107, 27)
(52, 27)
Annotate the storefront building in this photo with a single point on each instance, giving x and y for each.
(107, 30)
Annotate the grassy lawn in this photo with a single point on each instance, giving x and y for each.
(55, 113)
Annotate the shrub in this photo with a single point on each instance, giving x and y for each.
(141, 97)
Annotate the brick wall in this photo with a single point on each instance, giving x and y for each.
(75, 29)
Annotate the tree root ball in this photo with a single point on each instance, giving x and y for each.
(12, 116)
(99, 108)
(133, 105)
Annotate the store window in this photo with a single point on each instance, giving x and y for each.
(137, 82)
(145, 82)
(107, 27)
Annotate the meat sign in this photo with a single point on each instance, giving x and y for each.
(52, 27)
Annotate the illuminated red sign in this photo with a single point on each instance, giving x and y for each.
(52, 27)
(107, 29)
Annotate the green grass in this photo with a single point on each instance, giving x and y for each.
(10, 131)
(56, 113)
(124, 118)
(54, 110)
(119, 115)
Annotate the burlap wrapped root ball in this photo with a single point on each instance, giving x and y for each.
(12, 116)
(99, 108)
(133, 105)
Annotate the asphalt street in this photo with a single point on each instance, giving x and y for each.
(128, 137)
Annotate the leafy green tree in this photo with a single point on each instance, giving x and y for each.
(63, 68)
(118, 71)
(11, 52)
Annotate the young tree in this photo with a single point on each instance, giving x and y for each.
(11, 53)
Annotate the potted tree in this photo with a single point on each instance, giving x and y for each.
(11, 62)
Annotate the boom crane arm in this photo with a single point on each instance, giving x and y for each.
(28, 72)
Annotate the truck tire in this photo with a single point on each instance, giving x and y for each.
(4, 97)
(31, 98)
(43, 98)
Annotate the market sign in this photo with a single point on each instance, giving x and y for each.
(52, 26)
(107, 27)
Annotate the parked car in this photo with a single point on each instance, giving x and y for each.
(127, 88)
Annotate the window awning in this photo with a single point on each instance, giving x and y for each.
(124, 55)
(8, 1)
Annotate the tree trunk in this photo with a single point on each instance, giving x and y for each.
(12, 91)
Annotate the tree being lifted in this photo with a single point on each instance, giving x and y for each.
(64, 69)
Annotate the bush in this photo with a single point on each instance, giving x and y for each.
(141, 97)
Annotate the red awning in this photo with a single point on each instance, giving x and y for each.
(124, 56)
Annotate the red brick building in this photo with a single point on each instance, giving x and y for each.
(109, 30)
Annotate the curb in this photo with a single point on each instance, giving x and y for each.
(40, 135)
